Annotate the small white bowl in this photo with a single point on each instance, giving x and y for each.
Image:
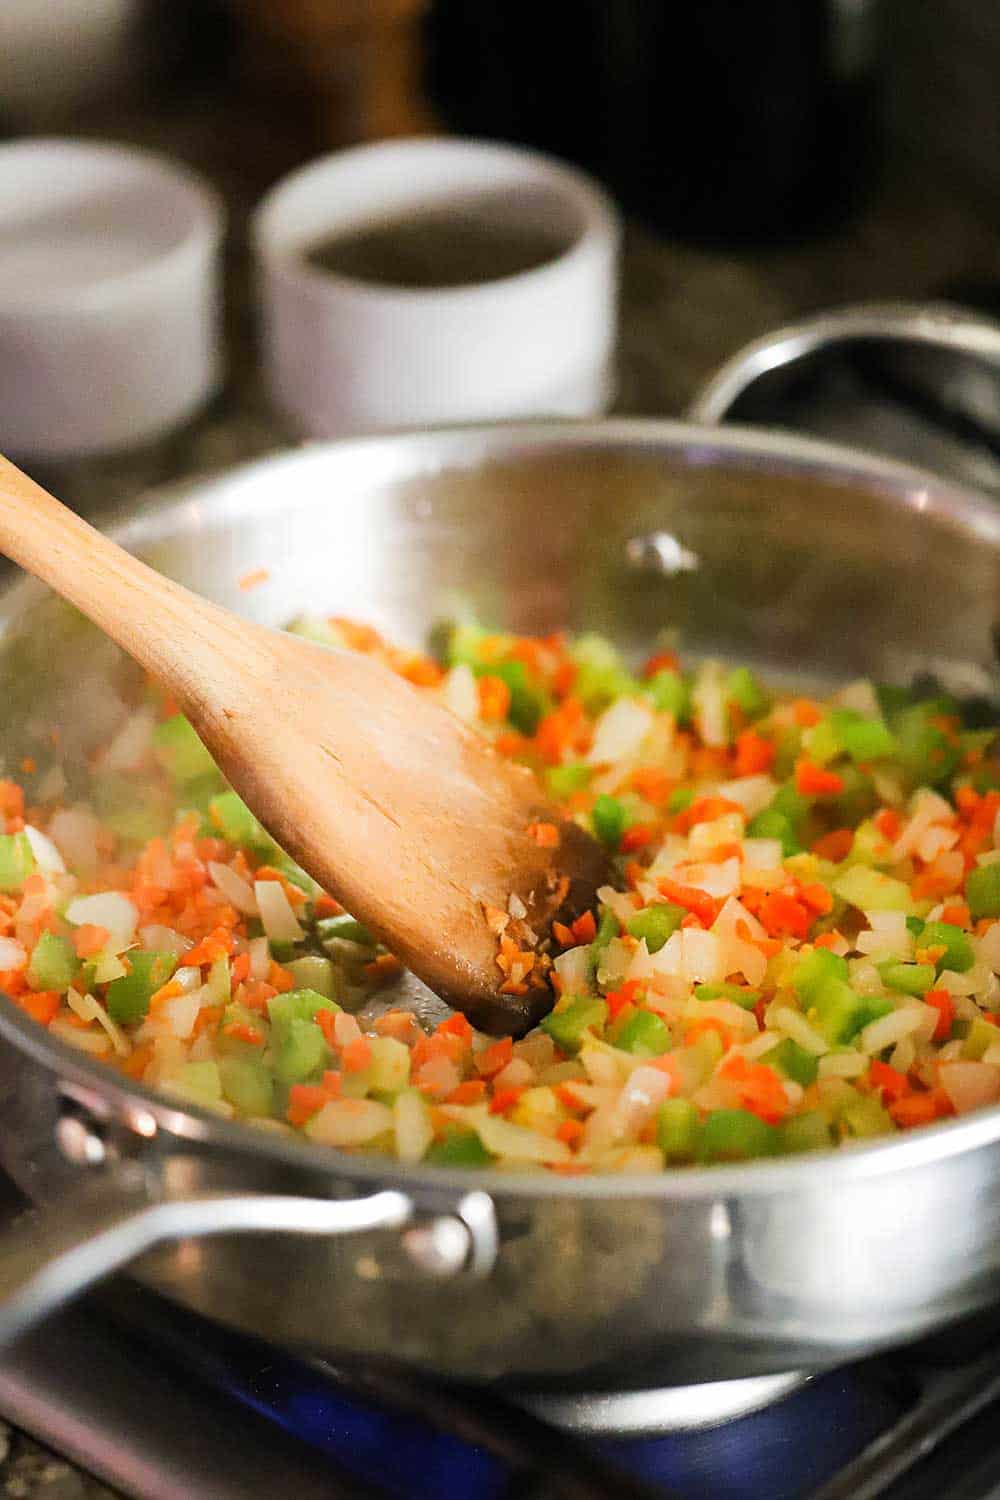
(345, 355)
(109, 297)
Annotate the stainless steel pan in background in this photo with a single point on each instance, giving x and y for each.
(807, 559)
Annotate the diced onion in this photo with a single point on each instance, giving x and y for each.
(753, 793)
(517, 1143)
(890, 1029)
(90, 1009)
(784, 1018)
(110, 910)
(460, 694)
(237, 891)
(47, 856)
(970, 1085)
(260, 958)
(412, 1124)
(762, 854)
(132, 743)
(160, 939)
(573, 969)
(719, 879)
(843, 1065)
(279, 920)
(12, 955)
(620, 731)
(350, 1122)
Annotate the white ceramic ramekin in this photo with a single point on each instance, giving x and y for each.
(109, 297)
(344, 355)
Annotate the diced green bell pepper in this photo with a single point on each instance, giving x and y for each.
(772, 824)
(837, 1010)
(608, 927)
(822, 743)
(907, 979)
(958, 955)
(53, 964)
(563, 781)
(178, 748)
(680, 799)
(129, 997)
(343, 926)
(670, 693)
(805, 1132)
(230, 815)
(924, 753)
(982, 891)
(199, 1082)
(301, 1050)
(793, 1061)
(735, 993)
(16, 861)
(677, 1127)
(862, 739)
(735, 1135)
(247, 1084)
(566, 1027)
(459, 1148)
(656, 924)
(864, 1116)
(645, 1034)
(978, 1039)
(314, 973)
(529, 702)
(135, 809)
(609, 818)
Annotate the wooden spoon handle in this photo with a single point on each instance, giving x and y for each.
(148, 615)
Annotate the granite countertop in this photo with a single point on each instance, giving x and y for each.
(684, 310)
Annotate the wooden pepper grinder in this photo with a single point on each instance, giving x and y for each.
(361, 59)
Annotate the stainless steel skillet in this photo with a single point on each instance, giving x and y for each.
(804, 558)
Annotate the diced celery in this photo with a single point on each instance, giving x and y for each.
(656, 924)
(982, 891)
(680, 799)
(925, 754)
(743, 689)
(735, 1135)
(609, 818)
(735, 993)
(677, 1126)
(313, 973)
(670, 693)
(806, 1132)
(864, 1116)
(793, 1062)
(135, 809)
(247, 1084)
(390, 1065)
(813, 971)
(301, 1051)
(838, 1012)
(199, 1082)
(822, 743)
(180, 751)
(958, 955)
(234, 820)
(979, 1038)
(458, 643)
(129, 997)
(16, 861)
(343, 926)
(566, 1026)
(563, 781)
(239, 1016)
(295, 1005)
(908, 979)
(644, 1033)
(459, 1148)
(858, 796)
(607, 928)
(53, 963)
(871, 890)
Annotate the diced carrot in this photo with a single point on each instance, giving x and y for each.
(617, 1000)
(888, 824)
(239, 969)
(241, 1032)
(698, 1028)
(494, 1057)
(563, 934)
(564, 678)
(41, 1005)
(944, 1004)
(326, 1020)
(815, 781)
(661, 661)
(326, 906)
(835, 845)
(209, 1017)
(469, 1092)
(891, 1083)
(456, 1025)
(705, 810)
(400, 1024)
(585, 928)
(754, 753)
(570, 1131)
(357, 1055)
(421, 671)
(255, 993)
(281, 979)
(816, 897)
(89, 939)
(705, 907)
(11, 799)
(806, 713)
(494, 699)
(758, 1087)
(568, 1097)
(782, 915)
(138, 1060)
(304, 1101)
(253, 579)
(636, 837)
(545, 835)
(383, 968)
(169, 991)
(957, 913)
(505, 1100)
(827, 940)
(652, 784)
(920, 1108)
(218, 944)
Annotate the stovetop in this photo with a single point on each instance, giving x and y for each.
(167, 1406)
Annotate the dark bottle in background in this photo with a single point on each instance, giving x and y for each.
(727, 121)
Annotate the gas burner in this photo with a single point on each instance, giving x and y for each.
(681, 1408)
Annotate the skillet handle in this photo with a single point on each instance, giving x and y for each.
(937, 325)
(50, 1259)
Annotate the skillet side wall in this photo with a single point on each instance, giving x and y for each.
(805, 556)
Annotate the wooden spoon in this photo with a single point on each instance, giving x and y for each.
(399, 810)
